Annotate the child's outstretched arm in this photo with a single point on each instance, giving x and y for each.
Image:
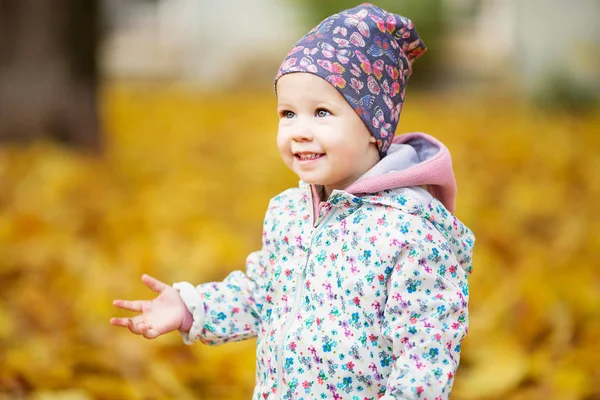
(229, 310)
(425, 319)
(161, 315)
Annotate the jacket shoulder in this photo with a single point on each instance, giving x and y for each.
(289, 199)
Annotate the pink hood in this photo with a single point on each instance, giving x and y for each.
(414, 159)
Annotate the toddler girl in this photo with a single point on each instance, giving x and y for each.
(360, 288)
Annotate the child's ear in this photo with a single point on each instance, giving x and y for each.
(372, 139)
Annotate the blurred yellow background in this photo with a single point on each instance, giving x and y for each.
(180, 192)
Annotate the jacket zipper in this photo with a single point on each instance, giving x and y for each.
(294, 313)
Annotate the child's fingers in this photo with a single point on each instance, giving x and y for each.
(150, 333)
(139, 328)
(154, 284)
(136, 327)
(135, 305)
(124, 322)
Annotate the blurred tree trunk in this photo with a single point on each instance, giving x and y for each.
(48, 71)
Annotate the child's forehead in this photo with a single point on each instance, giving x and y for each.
(307, 87)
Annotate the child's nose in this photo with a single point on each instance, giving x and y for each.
(302, 131)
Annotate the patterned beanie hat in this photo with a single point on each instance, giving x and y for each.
(366, 53)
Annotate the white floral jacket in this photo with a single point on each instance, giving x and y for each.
(366, 300)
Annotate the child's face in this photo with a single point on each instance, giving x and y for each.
(320, 136)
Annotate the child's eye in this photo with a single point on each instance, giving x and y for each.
(322, 113)
(287, 114)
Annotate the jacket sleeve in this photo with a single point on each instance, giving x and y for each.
(425, 320)
(229, 310)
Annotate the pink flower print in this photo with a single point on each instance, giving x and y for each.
(373, 339)
(306, 384)
(376, 305)
(357, 301)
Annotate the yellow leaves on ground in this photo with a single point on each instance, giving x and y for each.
(181, 194)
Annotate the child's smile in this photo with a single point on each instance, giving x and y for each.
(320, 136)
(308, 157)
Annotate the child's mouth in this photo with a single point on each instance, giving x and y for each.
(308, 156)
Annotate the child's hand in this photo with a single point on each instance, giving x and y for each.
(159, 316)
